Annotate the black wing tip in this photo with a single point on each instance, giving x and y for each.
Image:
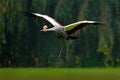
(28, 14)
(97, 22)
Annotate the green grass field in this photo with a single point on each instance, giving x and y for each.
(59, 74)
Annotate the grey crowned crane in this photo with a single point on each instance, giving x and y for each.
(65, 32)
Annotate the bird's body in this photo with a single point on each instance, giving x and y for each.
(59, 32)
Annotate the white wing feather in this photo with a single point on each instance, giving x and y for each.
(73, 25)
(51, 20)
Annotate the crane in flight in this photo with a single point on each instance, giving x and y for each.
(63, 32)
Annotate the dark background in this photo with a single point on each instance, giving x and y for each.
(23, 45)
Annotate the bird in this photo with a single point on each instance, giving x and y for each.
(63, 32)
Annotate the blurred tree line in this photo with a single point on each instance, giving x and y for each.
(23, 45)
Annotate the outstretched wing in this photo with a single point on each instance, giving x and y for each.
(72, 28)
(51, 20)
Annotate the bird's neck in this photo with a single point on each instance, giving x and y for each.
(50, 29)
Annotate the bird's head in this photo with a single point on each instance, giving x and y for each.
(44, 28)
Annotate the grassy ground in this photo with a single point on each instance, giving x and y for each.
(59, 74)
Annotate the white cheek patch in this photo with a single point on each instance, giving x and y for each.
(45, 27)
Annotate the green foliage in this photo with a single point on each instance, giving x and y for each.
(23, 45)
